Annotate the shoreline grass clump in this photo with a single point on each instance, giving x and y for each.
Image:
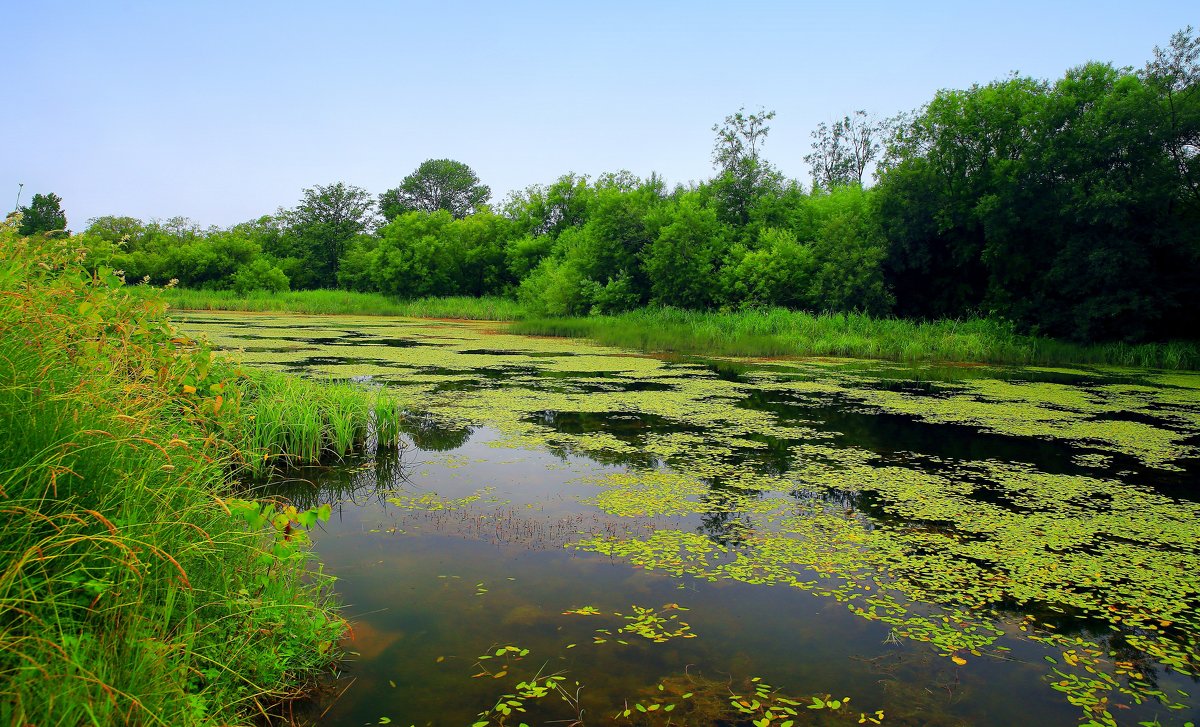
(290, 421)
(782, 332)
(135, 587)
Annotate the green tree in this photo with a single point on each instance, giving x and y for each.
(743, 175)
(776, 270)
(417, 255)
(259, 274)
(848, 251)
(44, 214)
(317, 231)
(842, 151)
(1174, 74)
(438, 184)
(681, 263)
(547, 211)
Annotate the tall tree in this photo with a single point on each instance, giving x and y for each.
(318, 229)
(842, 151)
(738, 139)
(438, 184)
(44, 214)
(743, 175)
(1174, 73)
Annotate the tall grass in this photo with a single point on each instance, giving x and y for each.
(315, 302)
(132, 590)
(293, 421)
(780, 332)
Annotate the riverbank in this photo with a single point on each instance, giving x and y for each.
(780, 332)
(758, 333)
(135, 586)
(342, 302)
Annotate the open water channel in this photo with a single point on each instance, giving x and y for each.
(576, 534)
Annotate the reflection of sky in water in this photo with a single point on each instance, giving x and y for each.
(412, 595)
(520, 437)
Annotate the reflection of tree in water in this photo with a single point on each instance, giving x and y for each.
(726, 524)
(725, 528)
(637, 459)
(429, 434)
(773, 459)
(354, 480)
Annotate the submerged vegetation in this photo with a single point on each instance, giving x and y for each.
(135, 587)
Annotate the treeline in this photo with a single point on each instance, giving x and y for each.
(1071, 208)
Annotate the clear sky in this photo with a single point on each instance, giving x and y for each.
(224, 111)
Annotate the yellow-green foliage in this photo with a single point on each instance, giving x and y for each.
(129, 592)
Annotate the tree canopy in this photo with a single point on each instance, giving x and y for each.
(438, 184)
(317, 231)
(43, 214)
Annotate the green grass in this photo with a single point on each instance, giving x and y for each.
(135, 587)
(768, 332)
(292, 421)
(488, 308)
(780, 332)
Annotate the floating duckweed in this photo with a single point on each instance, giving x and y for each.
(431, 502)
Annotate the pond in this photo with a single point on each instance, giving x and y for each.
(576, 534)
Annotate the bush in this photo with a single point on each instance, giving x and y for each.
(259, 275)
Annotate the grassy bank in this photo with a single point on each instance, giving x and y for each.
(780, 332)
(344, 302)
(135, 587)
(770, 332)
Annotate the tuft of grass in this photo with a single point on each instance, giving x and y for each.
(344, 302)
(290, 421)
(134, 587)
(781, 332)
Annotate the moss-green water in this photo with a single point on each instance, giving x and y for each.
(983, 512)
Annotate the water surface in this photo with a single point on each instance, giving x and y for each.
(948, 544)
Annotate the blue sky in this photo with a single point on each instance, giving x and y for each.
(224, 111)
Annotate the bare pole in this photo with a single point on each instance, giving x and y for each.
(20, 188)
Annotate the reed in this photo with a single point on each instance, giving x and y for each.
(780, 332)
(290, 421)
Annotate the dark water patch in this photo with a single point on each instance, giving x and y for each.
(502, 352)
(629, 427)
(897, 435)
(431, 434)
(621, 386)
(386, 342)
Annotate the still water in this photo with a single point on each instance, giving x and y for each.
(576, 534)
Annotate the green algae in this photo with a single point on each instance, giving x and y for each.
(945, 551)
(432, 502)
